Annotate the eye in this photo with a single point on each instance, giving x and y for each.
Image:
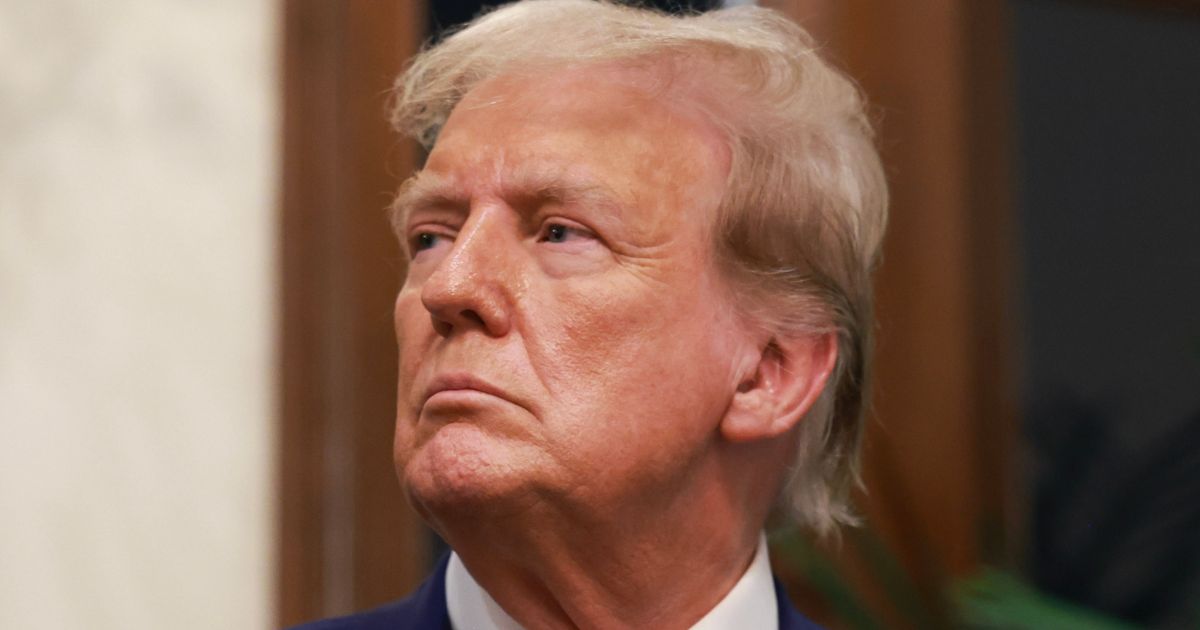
(556, 233)
(562, 233)
(424, 241)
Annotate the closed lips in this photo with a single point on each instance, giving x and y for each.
(459, 382)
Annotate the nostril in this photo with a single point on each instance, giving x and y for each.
(472, 317)
(441, 326)
(467, 318)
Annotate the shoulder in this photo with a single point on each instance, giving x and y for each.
(424, 609)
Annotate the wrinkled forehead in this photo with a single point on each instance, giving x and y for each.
(601, 131)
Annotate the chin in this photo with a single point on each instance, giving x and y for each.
(462, 470)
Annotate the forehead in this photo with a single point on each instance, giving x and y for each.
(599, 128)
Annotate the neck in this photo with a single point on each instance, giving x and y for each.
(584, 569)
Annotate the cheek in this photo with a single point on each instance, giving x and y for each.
(643, 389)
(409, 316)
(639, 357)
(413, 333)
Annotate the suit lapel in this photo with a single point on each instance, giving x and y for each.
(426, 608)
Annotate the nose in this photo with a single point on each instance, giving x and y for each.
(471, 288)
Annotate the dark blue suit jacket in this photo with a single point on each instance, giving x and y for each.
(425, 609)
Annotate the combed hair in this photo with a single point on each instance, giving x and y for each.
(797, 235)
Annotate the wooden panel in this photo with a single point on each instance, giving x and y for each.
(920, 455)
(994, 295)
(347, 538)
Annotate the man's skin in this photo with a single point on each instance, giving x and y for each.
(582, 414)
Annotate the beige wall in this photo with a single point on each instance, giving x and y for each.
(137, 196)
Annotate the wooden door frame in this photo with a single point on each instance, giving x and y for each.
(346, 538)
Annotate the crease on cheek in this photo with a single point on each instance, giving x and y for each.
(649, 275)
(414, 337)
(658, 268)
(542, 351)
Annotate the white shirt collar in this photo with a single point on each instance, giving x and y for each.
(751, 603)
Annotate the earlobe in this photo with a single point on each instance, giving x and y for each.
(789, 377)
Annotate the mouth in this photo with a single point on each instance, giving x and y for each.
(461, 384)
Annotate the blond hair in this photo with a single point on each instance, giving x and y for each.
(798, 232)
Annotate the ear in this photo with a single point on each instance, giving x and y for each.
(790, 376)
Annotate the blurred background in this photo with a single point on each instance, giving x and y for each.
(196, 275)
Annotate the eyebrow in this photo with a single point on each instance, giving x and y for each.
(424, 189)
(430, 190)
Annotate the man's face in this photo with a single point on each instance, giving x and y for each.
(564, 338)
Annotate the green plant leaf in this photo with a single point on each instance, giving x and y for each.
(997, 599)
